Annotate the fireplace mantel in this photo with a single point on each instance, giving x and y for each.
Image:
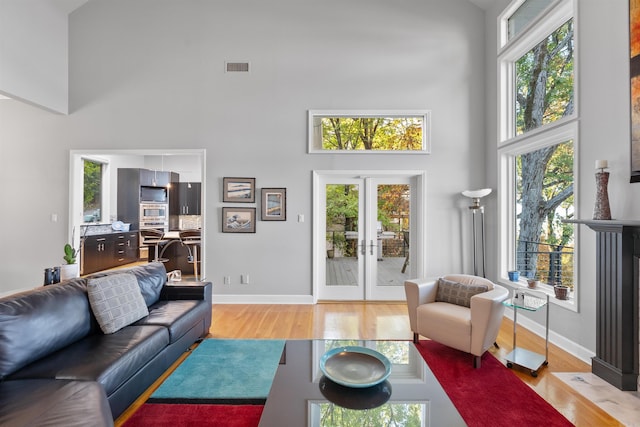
(617, 255)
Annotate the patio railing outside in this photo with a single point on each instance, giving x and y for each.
(552, 264)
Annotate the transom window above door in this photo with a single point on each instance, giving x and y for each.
(349, 131)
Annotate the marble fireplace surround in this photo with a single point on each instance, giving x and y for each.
(617, 281)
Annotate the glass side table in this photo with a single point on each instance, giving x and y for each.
(525, 300)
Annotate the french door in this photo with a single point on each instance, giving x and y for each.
(365, 240)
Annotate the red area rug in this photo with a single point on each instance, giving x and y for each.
(183, 415)
(491, 395)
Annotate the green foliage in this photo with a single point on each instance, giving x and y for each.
(544, 81)
(372, 133)
(389, 414)
(342, 205)
(92, 187)
(70, 254)
(544, 177)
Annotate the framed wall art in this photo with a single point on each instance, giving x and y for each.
(238, 220)
(634, 68)
(239, 190)
(274, 204)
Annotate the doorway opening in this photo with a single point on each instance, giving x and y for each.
(187, 165)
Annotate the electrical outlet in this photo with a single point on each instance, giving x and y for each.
(227, 280)
(244, 279)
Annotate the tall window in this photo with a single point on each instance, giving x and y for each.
(538, 140)
(92, 191)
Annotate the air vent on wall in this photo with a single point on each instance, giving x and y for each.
(236, 67)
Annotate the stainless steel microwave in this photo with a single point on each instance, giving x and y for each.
(153, 194)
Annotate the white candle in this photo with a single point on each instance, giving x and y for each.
(602, 164)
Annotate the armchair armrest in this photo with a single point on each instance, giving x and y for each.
(186, 291)
(418, 292)
(487, 311)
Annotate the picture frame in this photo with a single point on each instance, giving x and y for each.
(238, 190)
(634, 72)
(273, 204)
(238, 220)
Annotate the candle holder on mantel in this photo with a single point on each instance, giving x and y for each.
(602, 209)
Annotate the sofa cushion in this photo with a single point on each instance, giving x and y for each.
(116, 301)
(108, 359)
(53, 403)
(457, 293)
(151, 278)
(40, 321)
(177, 316)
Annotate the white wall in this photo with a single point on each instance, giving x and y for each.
(603, 101)
(34, 52)
(150, 74)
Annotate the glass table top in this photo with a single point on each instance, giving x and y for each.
(302, 396)
(527, 301)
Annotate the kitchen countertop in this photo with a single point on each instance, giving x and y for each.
(98, 229)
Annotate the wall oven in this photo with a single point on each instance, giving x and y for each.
(154, 215)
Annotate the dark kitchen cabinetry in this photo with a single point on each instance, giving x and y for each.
(189, 198)
(104, 251)
(130, 183)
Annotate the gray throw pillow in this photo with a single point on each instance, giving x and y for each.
(458, 293)
(116, 301)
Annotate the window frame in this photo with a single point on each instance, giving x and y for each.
(511, 145)
(105, 187)
(314, 115)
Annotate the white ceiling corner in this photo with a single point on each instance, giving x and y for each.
(483, 4)
(67, 6)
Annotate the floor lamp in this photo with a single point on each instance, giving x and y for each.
(476, 208)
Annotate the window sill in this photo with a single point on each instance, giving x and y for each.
(521, 285)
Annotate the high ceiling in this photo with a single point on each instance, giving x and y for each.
(69, 6)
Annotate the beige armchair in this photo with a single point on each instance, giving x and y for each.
(442, 315)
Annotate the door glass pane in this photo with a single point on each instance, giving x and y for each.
(393, 234)
(342, 210)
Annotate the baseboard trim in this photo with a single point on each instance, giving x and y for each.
(262, 299)
(567, 345)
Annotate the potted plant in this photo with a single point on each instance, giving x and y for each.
(561, 291)
(69, 270)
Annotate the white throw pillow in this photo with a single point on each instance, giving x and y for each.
(116, 301)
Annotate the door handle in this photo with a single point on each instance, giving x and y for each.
(372, 246)
(364, 247)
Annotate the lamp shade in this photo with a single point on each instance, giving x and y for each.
(476, 194)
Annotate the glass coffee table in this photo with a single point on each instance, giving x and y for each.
(302, 396)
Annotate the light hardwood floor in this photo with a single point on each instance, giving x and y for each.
(378, 321)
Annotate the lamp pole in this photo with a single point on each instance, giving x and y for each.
(476, 208)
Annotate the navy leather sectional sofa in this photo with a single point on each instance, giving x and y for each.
(57, 368)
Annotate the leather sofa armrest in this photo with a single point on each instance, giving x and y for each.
(418, 292)
(187, 291)
(487, 312)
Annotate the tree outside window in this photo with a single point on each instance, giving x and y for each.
(538, 140)
(92, 200)
(370, 132)
(544, 177)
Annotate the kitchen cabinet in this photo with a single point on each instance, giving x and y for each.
(189, 198)
(128, 197)
(104, 251)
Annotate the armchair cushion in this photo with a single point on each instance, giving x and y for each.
(457, 293)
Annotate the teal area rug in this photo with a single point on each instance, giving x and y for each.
(223, 371)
